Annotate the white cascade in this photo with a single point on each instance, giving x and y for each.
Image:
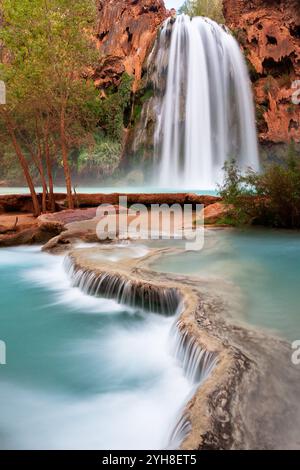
(205, 113)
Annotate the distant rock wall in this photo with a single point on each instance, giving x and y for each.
(269, 32)
(125, 34)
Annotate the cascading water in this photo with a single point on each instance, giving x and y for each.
(203, 103)
(196, 362)
(124, 291)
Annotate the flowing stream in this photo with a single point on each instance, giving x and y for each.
(82, 372)
(89, 373)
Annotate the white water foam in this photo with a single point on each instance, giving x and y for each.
(205, 110)
(146, 385)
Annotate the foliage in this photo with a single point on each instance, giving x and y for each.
(51, 104)
(210, 8)
(270, 198)
(100, 159)
(139, 100)
(113, 107)
(9, 168)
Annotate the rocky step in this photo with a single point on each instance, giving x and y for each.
(22, 202)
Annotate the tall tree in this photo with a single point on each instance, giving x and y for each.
(49, 54)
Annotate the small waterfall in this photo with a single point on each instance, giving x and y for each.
(203, 103)
(146, 296)
(181, 430)
(197, 364)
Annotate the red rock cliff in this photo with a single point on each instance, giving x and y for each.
(269, 32)
(125, 33)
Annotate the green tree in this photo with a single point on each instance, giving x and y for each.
(210, 8)
(270, 198)
(52, 105)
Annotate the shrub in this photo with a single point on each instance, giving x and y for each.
(271, 198)
(101, 159)
(112, 109)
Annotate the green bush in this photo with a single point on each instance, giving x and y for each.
(100, 159)
(112, 109)
(270, 198)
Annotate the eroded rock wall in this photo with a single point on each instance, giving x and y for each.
(269, 32)
(125, 33)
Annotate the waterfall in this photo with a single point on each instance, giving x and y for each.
(181, 430)
(196, 362)
(137, 294)
(202, 102)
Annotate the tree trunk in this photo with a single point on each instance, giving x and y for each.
(49, 170)
(41, 170)
(44, 184)
(37, 160)
(64, 151)
(24, 165)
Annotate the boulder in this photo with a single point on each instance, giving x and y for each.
(67, 216)
(30, 236)
(214, 213)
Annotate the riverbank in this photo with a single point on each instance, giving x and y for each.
(19, 227)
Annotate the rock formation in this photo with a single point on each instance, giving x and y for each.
(269, 32)
(125, 33)
(248, 390)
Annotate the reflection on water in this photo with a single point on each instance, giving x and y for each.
(265, 265)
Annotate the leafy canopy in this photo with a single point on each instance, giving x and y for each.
(210, 8)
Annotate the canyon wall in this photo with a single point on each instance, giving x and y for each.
(125, 34)
(269, 32)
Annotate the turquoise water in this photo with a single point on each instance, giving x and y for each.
(87, 373)
(81, 373)
(264, 265)
(111, 189)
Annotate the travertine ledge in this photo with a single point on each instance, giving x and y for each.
(242, 404)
